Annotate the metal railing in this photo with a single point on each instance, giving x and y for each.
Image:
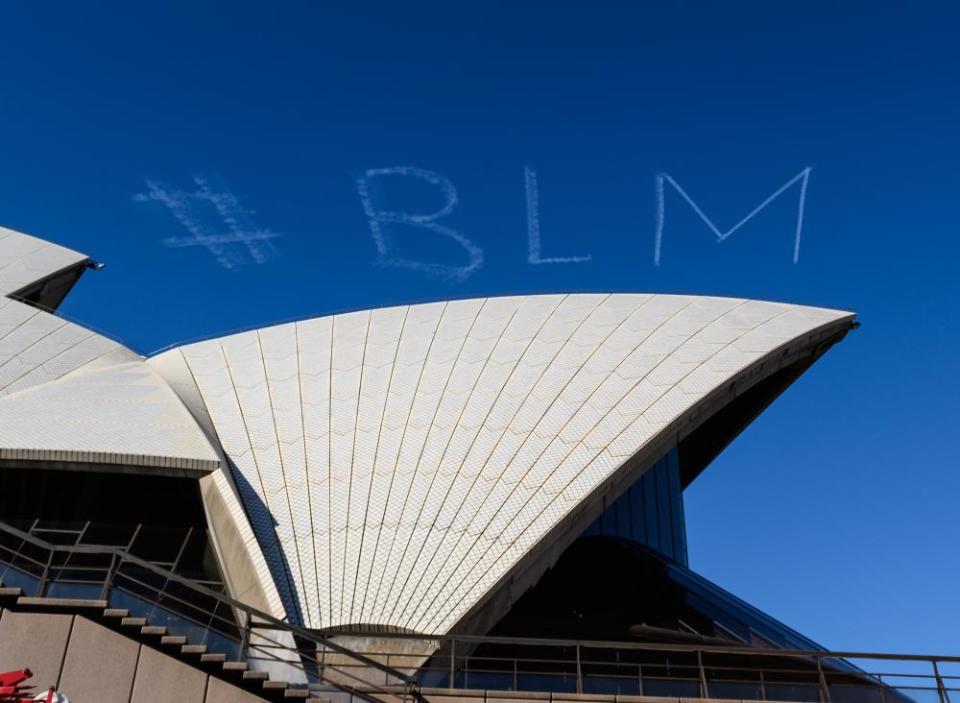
(679, 670)
(205, 616)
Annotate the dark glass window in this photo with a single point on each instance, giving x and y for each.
(650, 512)
(157, 518)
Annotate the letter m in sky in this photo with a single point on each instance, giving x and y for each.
(664, 178)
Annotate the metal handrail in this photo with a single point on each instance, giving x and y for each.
(254, 618)
(822, 670)
(657, 646)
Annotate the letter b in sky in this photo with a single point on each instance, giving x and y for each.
(381, 220)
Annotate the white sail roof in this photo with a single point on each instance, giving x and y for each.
(403, 466)
(68, 394)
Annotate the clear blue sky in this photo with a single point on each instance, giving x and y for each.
(837, 510)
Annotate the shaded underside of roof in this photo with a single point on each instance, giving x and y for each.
(410, 467)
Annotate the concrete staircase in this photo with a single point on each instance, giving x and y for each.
(141, 630)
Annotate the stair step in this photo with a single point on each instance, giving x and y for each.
(40, 603)
(10, 592)
(273, 689)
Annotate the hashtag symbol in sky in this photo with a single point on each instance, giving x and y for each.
(216, 220)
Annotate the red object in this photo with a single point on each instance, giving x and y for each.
(12, 689)
(13, 678)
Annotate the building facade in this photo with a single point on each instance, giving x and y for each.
(384, 482)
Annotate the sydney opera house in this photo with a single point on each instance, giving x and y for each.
(438, 502)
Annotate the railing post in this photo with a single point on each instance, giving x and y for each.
(245, 636)
(453, 662)
(824, 691)
(763, 687)
(108, 581)
(704, 692)
(579, 672)
(941, 688)
(46, 573)
(639, 679)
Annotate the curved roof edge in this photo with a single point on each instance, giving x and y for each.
(804, 350)
(70, 460)
(241, 557)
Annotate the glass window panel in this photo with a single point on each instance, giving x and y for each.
(664, 519)
(623, 516)
(608, 523)
(650, 509)
(109, 534)
(611, 685)
(158, 544)
(636, 508)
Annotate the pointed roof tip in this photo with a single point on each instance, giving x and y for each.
(36, 271)
(38, 346)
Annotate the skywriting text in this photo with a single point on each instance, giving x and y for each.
(381, 222)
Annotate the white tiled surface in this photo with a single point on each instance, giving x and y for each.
(37, 347)
(121, 414)
(397, 463)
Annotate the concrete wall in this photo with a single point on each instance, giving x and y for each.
(90, 663)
